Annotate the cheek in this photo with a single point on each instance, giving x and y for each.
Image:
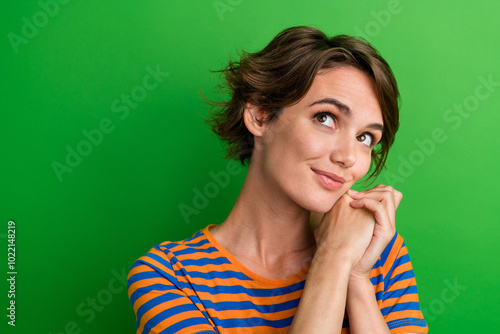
(309, 146)
(280, 154)
(362, 167)
(311, 143)
(297, 142)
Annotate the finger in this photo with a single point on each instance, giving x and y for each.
(378, 193)
(354, 193)
(379, 187)
(360, 194)
(398, 196)
(385, 196)
(382, 216)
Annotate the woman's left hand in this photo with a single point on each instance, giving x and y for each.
(382, 201)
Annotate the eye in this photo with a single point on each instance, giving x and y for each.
(366, 139)
(325, 118)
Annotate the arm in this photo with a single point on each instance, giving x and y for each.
(362, 308)
(397, 295)
(350, 239)
(159, 303)
(397, 306)
(322, 305)
(342, 237)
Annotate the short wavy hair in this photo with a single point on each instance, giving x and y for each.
(282, 73)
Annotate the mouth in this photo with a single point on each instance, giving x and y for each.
(329, 180)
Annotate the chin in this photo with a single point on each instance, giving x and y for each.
(321, 204)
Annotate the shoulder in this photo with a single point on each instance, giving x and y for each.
(167, 256)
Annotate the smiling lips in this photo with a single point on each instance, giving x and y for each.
(329, 180)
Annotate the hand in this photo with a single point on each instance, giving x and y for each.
(382, 201)
(343, 233)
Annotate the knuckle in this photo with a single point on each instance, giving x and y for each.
(388, 195)
(384, 188)
(374, 204)
(344, 197)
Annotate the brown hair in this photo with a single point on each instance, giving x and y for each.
(282, 73)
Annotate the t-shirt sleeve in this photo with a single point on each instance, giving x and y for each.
(400, 305)
(159, 303)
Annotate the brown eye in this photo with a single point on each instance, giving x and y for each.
(326, 119)
(366, 139)
(321, 118)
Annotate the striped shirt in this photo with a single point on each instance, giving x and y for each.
(196, 286)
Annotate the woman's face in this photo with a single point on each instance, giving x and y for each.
(317, 148)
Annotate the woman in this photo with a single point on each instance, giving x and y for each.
(300, 252)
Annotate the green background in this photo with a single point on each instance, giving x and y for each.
(78, 234)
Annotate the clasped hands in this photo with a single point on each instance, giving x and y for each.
(358, 228)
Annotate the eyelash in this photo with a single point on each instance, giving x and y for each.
(327, 113)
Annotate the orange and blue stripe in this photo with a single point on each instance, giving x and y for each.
(196, 286)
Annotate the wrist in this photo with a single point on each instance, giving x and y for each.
(359, 275)
(360, 297)
(357, 279)
(334, 257)
(360, 287)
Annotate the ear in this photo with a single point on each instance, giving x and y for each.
(254, 120)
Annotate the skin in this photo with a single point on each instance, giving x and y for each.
(346, 233)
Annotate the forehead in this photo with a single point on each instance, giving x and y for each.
(347, 84)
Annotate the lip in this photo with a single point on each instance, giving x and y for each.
(329, 180)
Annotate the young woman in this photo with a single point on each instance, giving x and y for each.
(300, 252)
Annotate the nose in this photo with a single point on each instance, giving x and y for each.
(344, 152)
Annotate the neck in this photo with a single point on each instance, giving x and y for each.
(264, 223)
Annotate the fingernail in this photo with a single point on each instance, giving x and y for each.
(353, 191)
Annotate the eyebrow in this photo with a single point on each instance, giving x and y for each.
(376, 126)
(344, 109)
